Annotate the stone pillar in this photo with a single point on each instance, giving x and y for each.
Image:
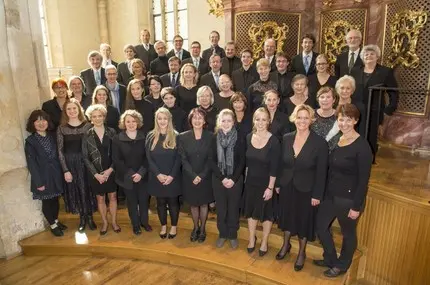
(23, 85)
(103, 21)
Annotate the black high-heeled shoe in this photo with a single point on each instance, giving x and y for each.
(251, 249)
(298, 267)
(171, 236)
(102, 233)
(263, 252)
(195, 234)
(202, 237)
(281, 255)
(117, 230)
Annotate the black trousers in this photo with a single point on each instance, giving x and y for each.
(137, 204)
(50, 209)
(372, 136)
(328, 211)
(227, 207)
(173, 203)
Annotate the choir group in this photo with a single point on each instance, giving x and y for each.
(278, 140)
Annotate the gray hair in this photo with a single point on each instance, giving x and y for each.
(345, 79)
(202, 90)
(95, 107)
(110, 66)
(373, 48)
(157, 43)
(80, 79)
(356, 31)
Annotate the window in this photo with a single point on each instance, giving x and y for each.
(170, 19)
(44, 33)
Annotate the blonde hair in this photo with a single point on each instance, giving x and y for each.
(132, 113)
(95, 107)
(224, 112)
(129, 100)
(302, 107)
(196, 76)
(65, 118)
(261, 110)
(263, 62)
(201, 91)
(154, 135)
(96, 90)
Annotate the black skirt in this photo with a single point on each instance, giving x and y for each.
(254, 205)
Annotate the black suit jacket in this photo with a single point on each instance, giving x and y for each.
(185, 54)
(90, 82)
(208, 79)
(225, 65)
(298, 67)
(308, 170)
(342, 61)
(203, 65)
(286, 90)
(146, 55)
(208, 52)
(123, 73)
(167, 82)
(280, 125)
(382, 76)
(238, 77)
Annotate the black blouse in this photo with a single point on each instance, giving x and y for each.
(187, 98)
(256, 92)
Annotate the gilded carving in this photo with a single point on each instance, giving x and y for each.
(405, 29)
(258, 33)
(334, 38)
(331, 2)
(216, 7)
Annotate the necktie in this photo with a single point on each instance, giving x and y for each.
(178, 55)
(147, 47)
(307, 63)
(173, 83)
(129, 66)
(98, 78)
(216, 77)
(196, 63)
(351, 62)
(214, 50)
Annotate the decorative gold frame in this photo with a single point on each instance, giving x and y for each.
(216, 8)
(405, 29)
(259, 33)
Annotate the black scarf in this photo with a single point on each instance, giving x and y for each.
(225, 145)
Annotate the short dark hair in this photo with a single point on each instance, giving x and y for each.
(194, 112)
(309, 36)
(348, 110)
(216, 32)
(248, 51)
(196, 42)
(156, 78)
(34, 116)
(178, 36)
(167, 90)
(173, 58)
(237, 96)
(283, 54)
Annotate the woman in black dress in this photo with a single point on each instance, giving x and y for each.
(228, 163)
(164, 170)
(279, 125)
(325, 124)
(129, 158)
(222, 98)
(154, 95)
(179, 117)
(101, 95)
(205, 101)
(345, 87)
(44, 166)
(78, 198)
(257, 89)
(302, 176)
(135, 101)
(77, 86)
(195, 148)
(347, 184)
(321, 78)
(55, 106)
(186, 92)
(262, 157)
(239, 105)
(97, 152)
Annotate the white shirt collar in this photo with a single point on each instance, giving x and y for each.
(309, 54)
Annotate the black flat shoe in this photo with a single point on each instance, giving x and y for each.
(117, 230)
(195, 234)
(281, 255)
(82, 223)
(334, 272)
(251, 249)
(202, 237)
(147, 228)
(137, 231)
(91, 224)
(320, 263)
(57, 232)
(62, 226)
(299, 267)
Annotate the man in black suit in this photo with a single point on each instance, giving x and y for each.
(95, 75)
(230, 62)
(118, 91)
(350, 59)
(200, 63)
(211, 78)
(304, 63)
(145, 51)
(171, 79)
(215, 48)
(269, 53)
(178, 51)
(124, 68)
(246, 75)
(160, 65)
(281, 76)
(106, 53)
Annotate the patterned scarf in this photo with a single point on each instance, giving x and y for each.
(225, 145)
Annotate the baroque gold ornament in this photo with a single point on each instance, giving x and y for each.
(259, 33)
(216, 8)
(405, 29)
(334, 38)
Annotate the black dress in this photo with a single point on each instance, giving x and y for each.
(302, 177)
(221, 102)
(163, 161)
(157, 103)
(280, 125)
(195, 156)
(314, 86)
(256, 92)
(187, 98)
(244, 127)
(327, 128)
(289, 106)
(52, 108)
(261, 164)
(112, 118)
(146, 109)
(78, 198)
(179, 118)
